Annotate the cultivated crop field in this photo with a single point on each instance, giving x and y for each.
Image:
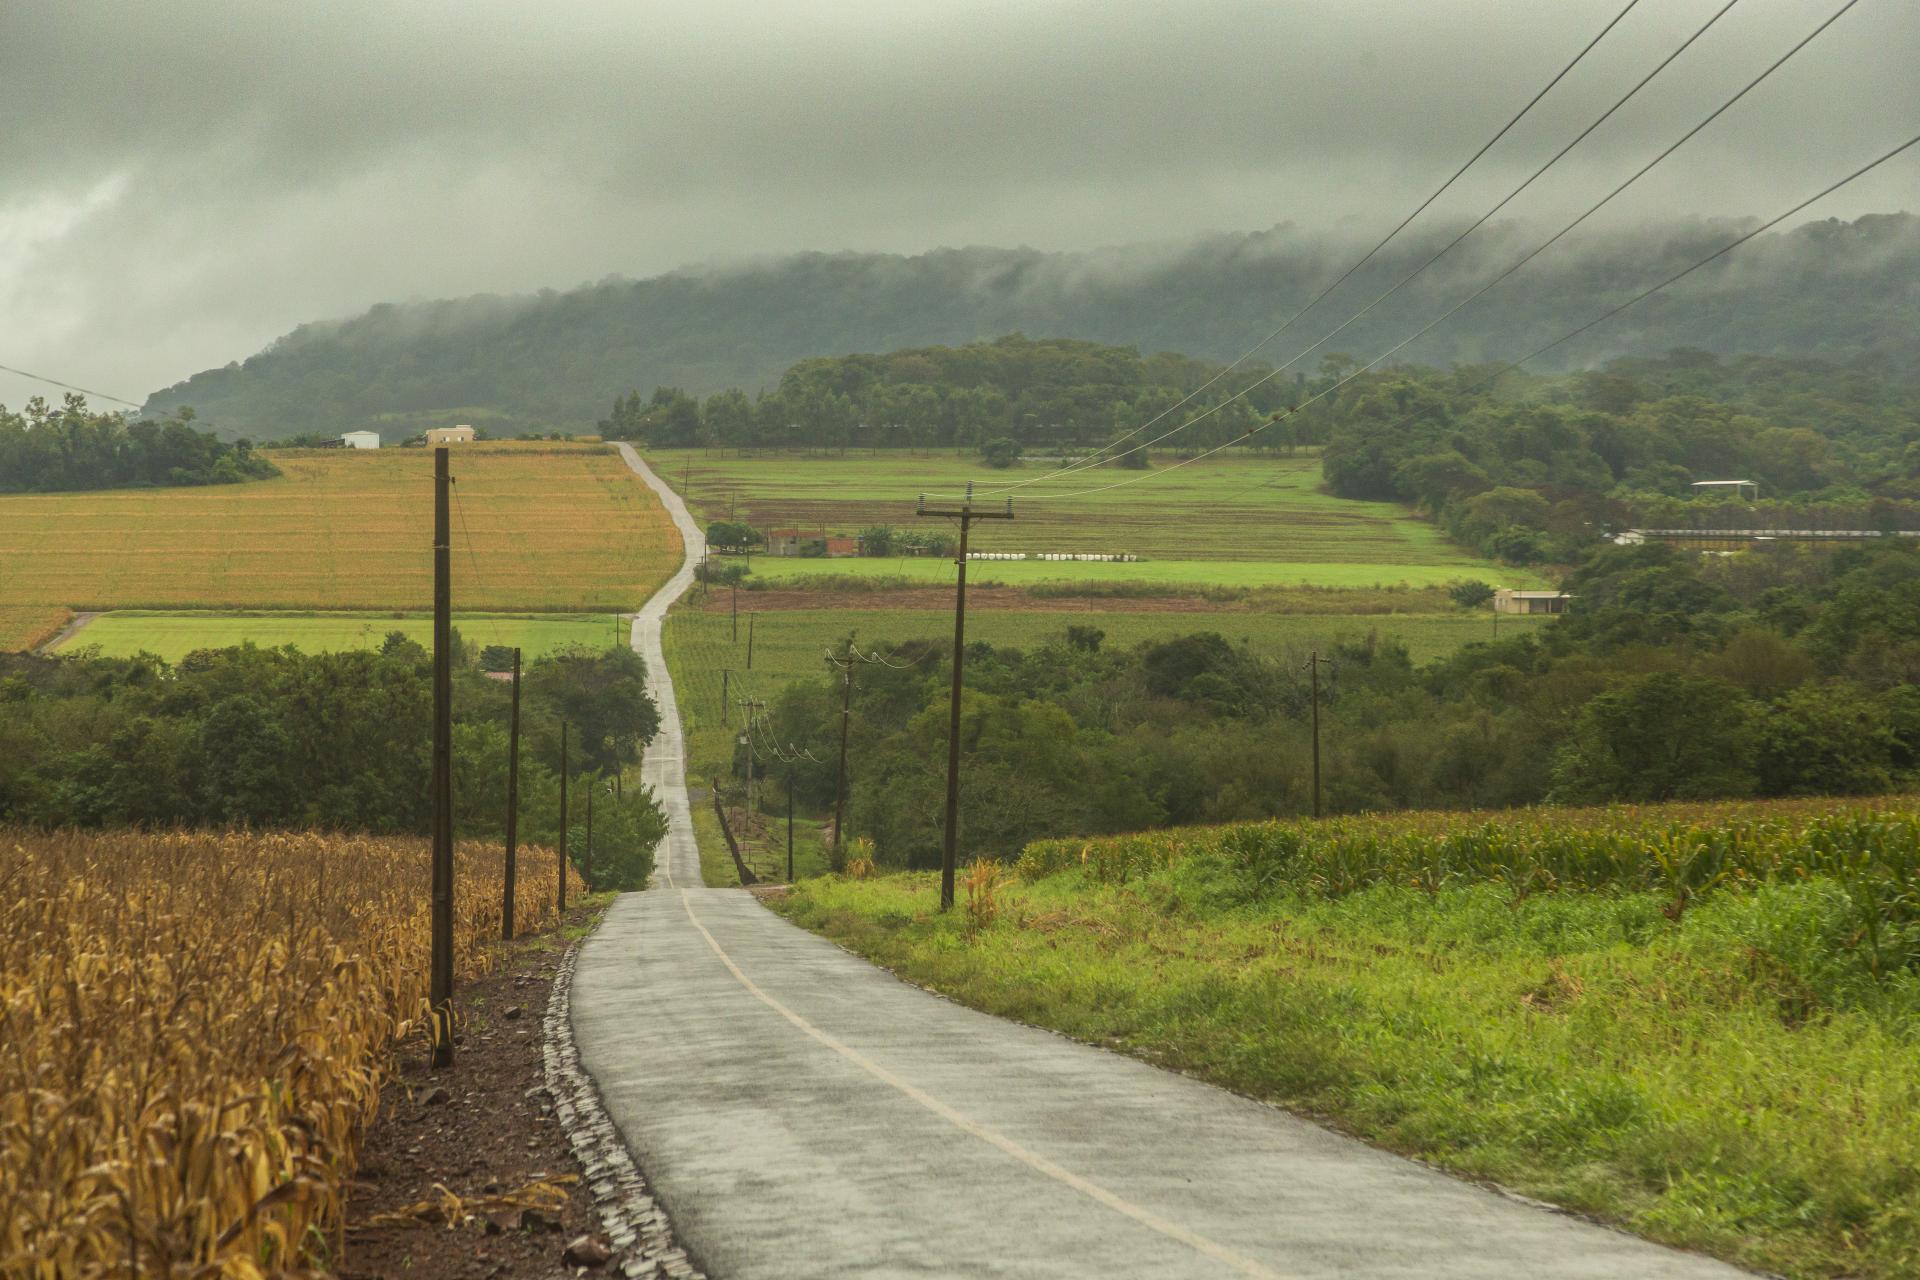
(194, 1030)
(27, 626)
(1248, 521)
(535, 527)
(173, 635)
(1696, 1021)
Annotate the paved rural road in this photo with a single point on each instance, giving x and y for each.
(801, 1113)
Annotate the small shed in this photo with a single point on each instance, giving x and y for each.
(783, 542)
(450, 435)
(1508, 600)
(838, 547)
(1747, 489)
(360, 440)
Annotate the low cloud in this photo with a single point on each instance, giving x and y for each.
(186, 181)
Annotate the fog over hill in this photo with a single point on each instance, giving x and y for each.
(1848, 292)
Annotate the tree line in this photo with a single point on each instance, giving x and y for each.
(274, 738)
(1533, 469)
(48, 448)
(1673, 677)
(1034, 393)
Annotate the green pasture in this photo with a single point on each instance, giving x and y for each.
(790, 645)
(1246, 520)
(793, 571)
(173, 635)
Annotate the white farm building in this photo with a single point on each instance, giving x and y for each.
(361, 439)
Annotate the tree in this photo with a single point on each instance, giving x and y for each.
(671, 419)
(1085, 639)
(726, 419)
(1665, 736)
(603, 696)
(1831, 739)
(1470, 595)
(726, 536)
(1000, 452)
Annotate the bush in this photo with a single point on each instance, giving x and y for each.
(1470, 595)
(1000, 452)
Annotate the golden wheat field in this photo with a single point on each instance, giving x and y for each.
(28, 626)
(535, 527)
(193, 1033)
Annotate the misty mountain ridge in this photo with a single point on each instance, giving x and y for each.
(1846, 292)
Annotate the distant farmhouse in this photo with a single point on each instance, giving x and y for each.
(450, 435)
(794, 542)
(360, 440)
(1507, 600)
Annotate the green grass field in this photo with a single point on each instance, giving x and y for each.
(792, 571)
(1246, 521)
(174, 635)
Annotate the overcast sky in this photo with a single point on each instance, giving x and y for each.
(183, 180)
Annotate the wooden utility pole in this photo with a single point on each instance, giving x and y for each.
(563, 817)
(750, 642)
(726, 695)
(748, 707)
(789, 821)
(513, 804)
(846, 714)
(1313, 665)
(966, 515)
(586, 871)
(440, 994)
(734, 638)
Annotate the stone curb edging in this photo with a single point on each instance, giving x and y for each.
(636, 1224)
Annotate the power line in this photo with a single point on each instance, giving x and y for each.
(1344, 276)
(68, 386)
(1717, 254)
(1523, 261)
(493, 625)
(1451, 244)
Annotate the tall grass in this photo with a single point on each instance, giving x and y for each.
(1869, 848)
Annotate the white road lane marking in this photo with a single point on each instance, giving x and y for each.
(1093, 1190)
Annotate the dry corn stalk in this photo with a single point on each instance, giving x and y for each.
(193, 1033)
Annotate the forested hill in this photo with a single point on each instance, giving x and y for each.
(1845, 292)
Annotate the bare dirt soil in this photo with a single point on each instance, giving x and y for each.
(475, 1145)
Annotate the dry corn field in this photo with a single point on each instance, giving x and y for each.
(535, 527)
(194, 1029)
(29, 626)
